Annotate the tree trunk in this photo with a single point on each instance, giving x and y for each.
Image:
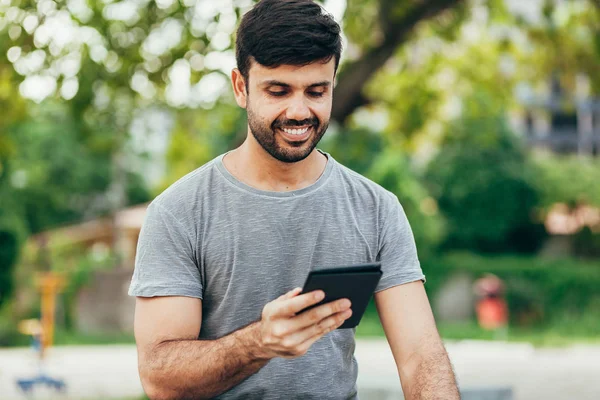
(354, 76)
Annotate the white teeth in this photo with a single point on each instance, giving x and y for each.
(295, 131)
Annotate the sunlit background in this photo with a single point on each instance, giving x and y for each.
(482, 116)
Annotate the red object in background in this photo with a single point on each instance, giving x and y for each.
(491, 308)
(492, 313)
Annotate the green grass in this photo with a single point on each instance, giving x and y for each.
(565, 334)
(540, 337)
(62, 338)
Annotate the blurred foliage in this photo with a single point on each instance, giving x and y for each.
(57, 179)
(566, 42)
(586, 243)
(12, 105)
(370, 23)
(573, 182)
(137, 50)
(361, 23)
(539, 292)
(357, 148)
(422, 87)
(376, 30)
(483, 183)
(567, 179)
(200, 135)
(12, 235)
(408, 114)
(53, 179)
(54, 175)
(9, 334)
(13, 229)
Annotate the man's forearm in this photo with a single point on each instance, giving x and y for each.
(195, 369)
(432, 378)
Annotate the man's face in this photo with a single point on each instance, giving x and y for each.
(289, 107)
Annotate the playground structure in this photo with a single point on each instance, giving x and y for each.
(49, 284)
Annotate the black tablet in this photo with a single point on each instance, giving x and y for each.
(355, 282)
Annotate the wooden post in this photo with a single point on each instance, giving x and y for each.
(49, 284)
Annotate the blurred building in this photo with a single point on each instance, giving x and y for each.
(562, 122)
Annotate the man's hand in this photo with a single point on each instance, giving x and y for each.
(282, 332)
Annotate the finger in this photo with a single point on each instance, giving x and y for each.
(292, 293)
(314, 332)
(272, 309)
(318, 314)
(290, 306)
(288, 295)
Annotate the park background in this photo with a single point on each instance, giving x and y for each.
(482, 116)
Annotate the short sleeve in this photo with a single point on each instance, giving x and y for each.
(164, 263)
(397, 250)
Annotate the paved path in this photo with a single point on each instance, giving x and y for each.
(110, 372)
(532, 374)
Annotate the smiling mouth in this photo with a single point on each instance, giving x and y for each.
(296, 134)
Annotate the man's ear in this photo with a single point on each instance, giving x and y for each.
(239, 87)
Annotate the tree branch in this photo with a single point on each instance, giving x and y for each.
(348, 92)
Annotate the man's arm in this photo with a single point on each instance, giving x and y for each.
(172, 361)
(173, 364)
(423, 364)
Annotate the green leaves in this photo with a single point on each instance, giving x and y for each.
(200, 135)
(484, 186)
(568, 180)
(56, 176)
(12, 235)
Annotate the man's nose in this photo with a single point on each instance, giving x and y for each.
(297, 109)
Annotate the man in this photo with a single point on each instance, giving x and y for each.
(224, 250)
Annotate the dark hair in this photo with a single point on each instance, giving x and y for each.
(286, 32)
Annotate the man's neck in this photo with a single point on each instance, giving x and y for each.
(252, 165)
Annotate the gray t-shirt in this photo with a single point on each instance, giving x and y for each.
(237, 248)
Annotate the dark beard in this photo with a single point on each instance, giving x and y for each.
(266, 137)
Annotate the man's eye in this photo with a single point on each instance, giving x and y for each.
(316, 94)
(277, 94)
